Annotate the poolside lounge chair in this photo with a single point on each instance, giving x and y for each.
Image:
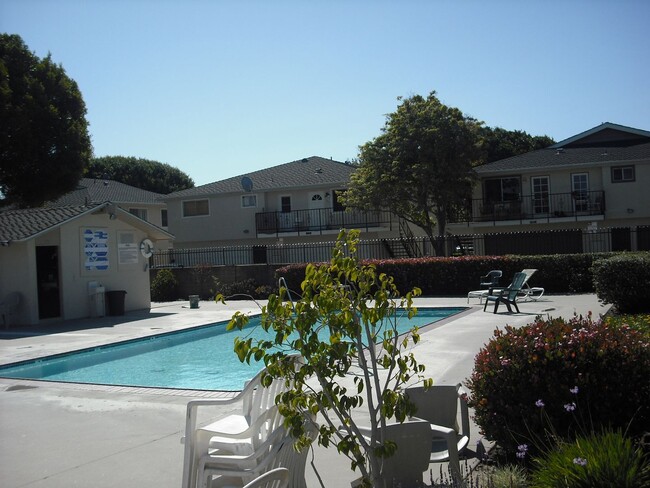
(441, 406)
(531, 293)
(237, 433)
(405, 467)
(507, 295)
(487, 283)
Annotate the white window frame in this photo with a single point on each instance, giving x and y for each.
(249, 200)
(139, 212)
(622, 170)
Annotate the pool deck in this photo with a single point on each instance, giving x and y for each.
(67, 435)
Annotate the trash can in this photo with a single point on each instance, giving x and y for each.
(194, 301)
(115, 299)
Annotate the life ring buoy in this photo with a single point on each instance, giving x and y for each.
(146, 248)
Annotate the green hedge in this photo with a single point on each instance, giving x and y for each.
(561, 273)
(624, 281)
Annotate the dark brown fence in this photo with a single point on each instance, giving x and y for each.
(522, 243)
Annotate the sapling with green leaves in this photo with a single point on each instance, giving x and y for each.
(358, 359)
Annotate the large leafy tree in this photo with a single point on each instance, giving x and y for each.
(500, 143)
(420, 166)
(141, 173)
(44, 141)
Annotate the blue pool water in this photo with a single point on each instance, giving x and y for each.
(201, 358)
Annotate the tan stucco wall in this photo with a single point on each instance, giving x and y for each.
(18, 274)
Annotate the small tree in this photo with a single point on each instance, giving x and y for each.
(351, 306)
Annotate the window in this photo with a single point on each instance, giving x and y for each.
(337, 206)
(196, 208)
(249, 201)
(622, 174)
(540, 188)
(285, 204)
(502, 189)
(139, 212)
(163, 217)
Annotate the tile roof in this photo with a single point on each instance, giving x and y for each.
(313, 171)
(19, 225)
(551, 158)
(92, 190)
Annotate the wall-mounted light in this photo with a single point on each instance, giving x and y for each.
(630, 210)
(112, 216)
(246, 231)
(327, 194)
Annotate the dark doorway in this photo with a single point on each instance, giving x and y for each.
(47, 276)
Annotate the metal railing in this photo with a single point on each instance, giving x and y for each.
(541, 207)
(524, 243)
(318, 221)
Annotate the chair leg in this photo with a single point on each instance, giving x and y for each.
(496, 305)
(516, 307)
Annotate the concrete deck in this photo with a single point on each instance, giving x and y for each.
(67, 435)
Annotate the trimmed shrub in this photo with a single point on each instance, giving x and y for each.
(539, 365)
(624, 281)
(562, 273)
(598, 460)
(164, 287)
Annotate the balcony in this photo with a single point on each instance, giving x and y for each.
(547, 208)
(318, 221)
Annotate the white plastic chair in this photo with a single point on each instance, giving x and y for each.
(441, 405)
(256, 401)
(533, 293)
(217, 471)
(411, 459)
(237, 433)
(276, 478)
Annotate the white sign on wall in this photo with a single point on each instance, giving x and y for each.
(127, 249)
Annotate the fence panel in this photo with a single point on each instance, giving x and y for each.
(569, 241)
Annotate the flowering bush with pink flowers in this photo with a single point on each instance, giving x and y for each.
(544, 364)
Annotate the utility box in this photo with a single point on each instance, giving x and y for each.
(96, 295)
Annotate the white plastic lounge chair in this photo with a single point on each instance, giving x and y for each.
(8, 307)
(441, 406)
(405, 467)
(531, 293)
(234, 430)
(276, 478)
(507, 295)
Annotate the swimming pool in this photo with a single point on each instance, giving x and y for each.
(200, 358)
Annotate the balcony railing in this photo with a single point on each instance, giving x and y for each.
(318, 221)
(548, 206)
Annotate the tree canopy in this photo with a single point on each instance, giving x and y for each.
(500, 143)
(44, 141)
(141, 173)
(420, 166)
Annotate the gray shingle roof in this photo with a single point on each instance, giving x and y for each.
(18, 225)
(92, 190)
(313, 171)
(551, 158)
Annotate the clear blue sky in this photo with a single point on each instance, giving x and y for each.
(222, 88)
